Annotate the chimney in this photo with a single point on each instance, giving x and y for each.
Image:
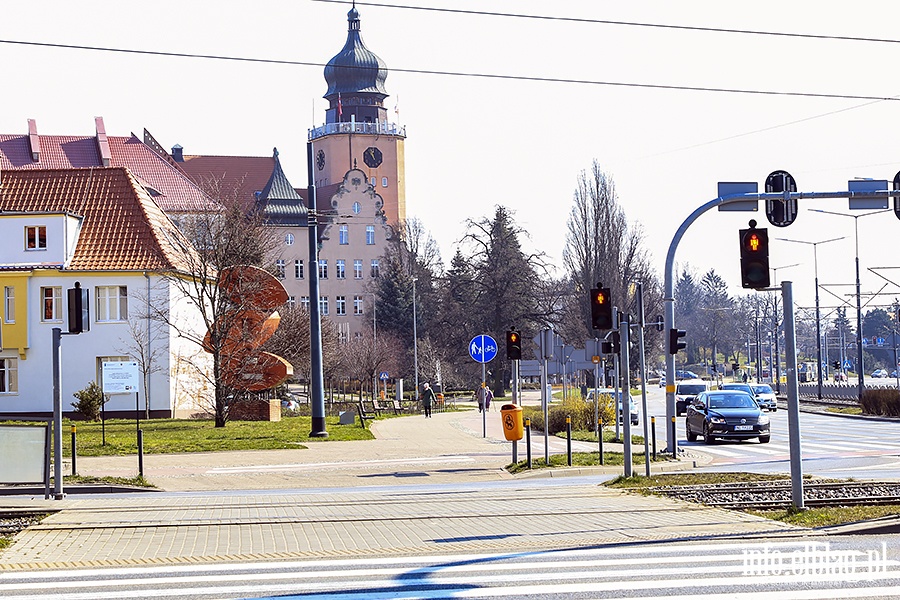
(102, 142)
(178, 153)
(34, 140)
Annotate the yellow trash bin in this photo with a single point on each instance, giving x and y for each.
(512, 422)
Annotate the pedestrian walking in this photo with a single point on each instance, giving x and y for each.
(428, 399)
(480, 396)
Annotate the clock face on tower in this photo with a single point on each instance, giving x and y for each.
(372, 156)
(320, 159)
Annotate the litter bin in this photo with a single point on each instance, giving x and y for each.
(513, 428)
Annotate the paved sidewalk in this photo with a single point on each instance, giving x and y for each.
(346, 499)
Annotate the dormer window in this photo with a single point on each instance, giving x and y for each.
(35, 237)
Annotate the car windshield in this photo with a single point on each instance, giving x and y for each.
(691, 390)
(738, 386)
(762, 389)
(731, 401)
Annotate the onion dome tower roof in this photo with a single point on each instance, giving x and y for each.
(355, 68)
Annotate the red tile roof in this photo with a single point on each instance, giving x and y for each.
(243, 175)
(172, 189)
(122, 229)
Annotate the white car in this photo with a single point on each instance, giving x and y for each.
(765, 396)
(686, 391)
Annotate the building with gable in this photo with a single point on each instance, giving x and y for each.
(99, 227)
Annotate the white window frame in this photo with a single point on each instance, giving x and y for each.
(298, 269)
(323, 306)
(111, 303)
(9, 304)
(384, 182)
(357, 305)
(376, 268)
(323, 268)
(35, 237)
(357, 268)
(9, 375)
(304, 303)
(370, 235)
(340, 306)
(344, 235)
(292, 302)
(279, 268)
(55, 305)
(289, 239)
(340, 268)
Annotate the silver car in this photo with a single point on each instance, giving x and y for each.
(765, 396)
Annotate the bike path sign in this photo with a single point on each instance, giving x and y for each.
(483, 348)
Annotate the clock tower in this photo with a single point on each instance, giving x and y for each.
(357, 133)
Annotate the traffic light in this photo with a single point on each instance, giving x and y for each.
(601, 309)
(674, 344)
(836, 365)
(79, 309)
(754, 257)
(614, 342)
(513, 345)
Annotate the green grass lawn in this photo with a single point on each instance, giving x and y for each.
(579, 459)
(167, 436)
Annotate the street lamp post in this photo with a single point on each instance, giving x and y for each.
(415, 344)
(815, 246)
(859, 348)
(776, 369)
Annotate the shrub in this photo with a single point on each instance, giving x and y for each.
(90, 401)
(581, 412)
(884, 402)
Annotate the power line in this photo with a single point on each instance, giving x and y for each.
(786, 34)
(498, 76)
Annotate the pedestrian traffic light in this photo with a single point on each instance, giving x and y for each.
(78, 309)
(754, 257)
(674, 344)
(836, 365)
(513, 345)
(614, 342)
(601, 309)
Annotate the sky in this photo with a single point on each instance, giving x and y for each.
(647, 89)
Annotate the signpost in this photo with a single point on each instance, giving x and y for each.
(483, 349)
(122, 377)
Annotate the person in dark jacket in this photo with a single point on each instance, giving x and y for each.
(428, 399)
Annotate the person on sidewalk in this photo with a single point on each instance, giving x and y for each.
(484, 397)
(428, 399)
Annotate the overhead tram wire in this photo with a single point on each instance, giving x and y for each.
(499, 76)
(812, 36)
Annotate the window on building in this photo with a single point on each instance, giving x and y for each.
(292, 302)
(298, 269)
(375, 267)
(340, 268)
(370, 235)
(289, 239)
(357, 269)
(323, 269)
(373, 182)
(384, 182)
(51, 304)
(357, 305)
(112, 303)
(9, 304)
(35, 237)
(340, 305)
(344, 235)
(323, 306)
(357, 208)
(9, 375)
(304, 303)
(279, 268)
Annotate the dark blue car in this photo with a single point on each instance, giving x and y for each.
(726, 414)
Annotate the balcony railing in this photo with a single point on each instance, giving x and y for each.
(378, 128)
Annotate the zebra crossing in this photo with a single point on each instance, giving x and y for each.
(735, 571)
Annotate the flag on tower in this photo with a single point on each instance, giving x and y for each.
(340, 107)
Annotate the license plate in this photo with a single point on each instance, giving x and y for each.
(743, 427)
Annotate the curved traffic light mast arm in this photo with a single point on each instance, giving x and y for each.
(669, 283)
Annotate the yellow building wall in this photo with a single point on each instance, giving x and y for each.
(15, 334)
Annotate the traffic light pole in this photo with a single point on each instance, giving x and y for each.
(742, 201)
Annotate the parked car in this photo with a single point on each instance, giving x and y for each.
(765, 396)
(879, 373)
(681, 374)
(731, 414)
(685, 392)
(635, 417)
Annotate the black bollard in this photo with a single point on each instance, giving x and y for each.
(600, 437)
(74, 452)
(528, 441)
(569, 440)
(140, 443)
(653, 430)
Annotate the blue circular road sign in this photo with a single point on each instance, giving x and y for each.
(482, 348)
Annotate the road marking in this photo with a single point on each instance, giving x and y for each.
(360, 464)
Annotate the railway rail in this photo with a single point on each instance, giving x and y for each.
(777, 494)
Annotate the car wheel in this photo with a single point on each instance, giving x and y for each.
(774, 409)
(707, 439)
(691, 436)
(764, 439)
